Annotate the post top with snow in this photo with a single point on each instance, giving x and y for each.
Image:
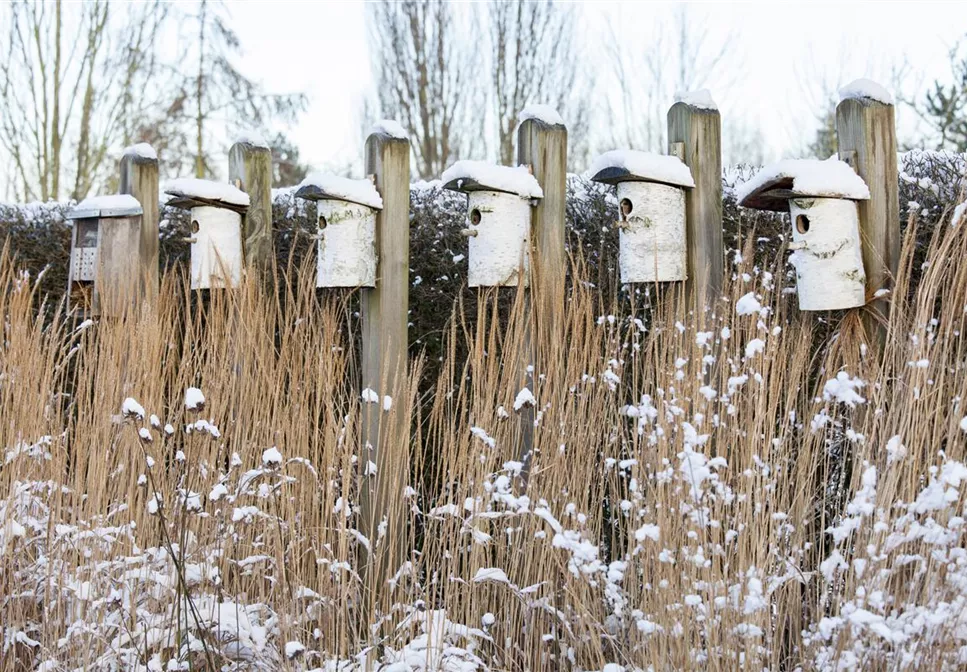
(468, 176)
(252, 139)
(390, 128)
(325, 187)
(544, 114)
(111, 205)
(865, 90)
(141, 152)
(700, 99)
(192, 192)
(629, 165)
(773, 186)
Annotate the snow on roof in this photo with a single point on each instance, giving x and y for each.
(866, 88)
(543, 113)
(193, 187)
(810, 177)
(344, 188)
(500, 178)
(142, 150)
(391, 128)
(110, 205)
(651, 167)
(701, 99)
(253, 138)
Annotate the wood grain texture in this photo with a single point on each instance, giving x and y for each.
(139, 177)
(385, 343)
(700, 132)
(119, 265)
(866, 131)
(542, 147)
(250, 169)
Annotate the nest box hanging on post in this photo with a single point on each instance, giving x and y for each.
(499, 201)
(651, 201)
(216, 230)
(820, 197)
(105, 263)
(346, 211)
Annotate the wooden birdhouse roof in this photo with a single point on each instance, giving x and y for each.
(629, 165)
(469, 176)
(191, 192)
(112, 205)
(773, 186)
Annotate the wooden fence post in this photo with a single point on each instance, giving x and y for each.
(139, 177)
(542, 145)
(699, 130)
(385, 307)
(866, 132)
(250, 169)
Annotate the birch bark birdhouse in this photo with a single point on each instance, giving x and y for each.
(346, 236)
(820, 197)
(105, 261)
(651, 201)
(500, 200)
(217, 256)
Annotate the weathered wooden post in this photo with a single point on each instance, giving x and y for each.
(384, 460)
(250, 169)
(139, 178)
(104, 277)
(542, 145)
(694, 121)
(866, 131)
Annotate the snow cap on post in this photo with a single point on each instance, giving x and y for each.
(324, 187)
(629, 165)
(543, 113)
(191, 192)
(866, 88)
(468, 176)
(773, 186)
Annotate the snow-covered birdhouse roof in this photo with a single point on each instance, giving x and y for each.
(113, 205)
(468, 176)
(191, 192)
(774, 185)
(325, 187)
(629, 165)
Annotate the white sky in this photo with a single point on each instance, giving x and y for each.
(780, 50)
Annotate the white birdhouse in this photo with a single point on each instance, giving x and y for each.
(216, 230)
(346, 211)
(105, 251)
(820, 197)
(651, 202)
(499, 202)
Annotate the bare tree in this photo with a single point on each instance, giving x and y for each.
(71, 79)
(679, 54)
(423, 64)
(534, 61)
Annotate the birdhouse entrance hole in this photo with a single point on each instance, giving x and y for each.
(626, 207)
(194, 226)
(802, 223)
(322, 222)
(475, 216)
